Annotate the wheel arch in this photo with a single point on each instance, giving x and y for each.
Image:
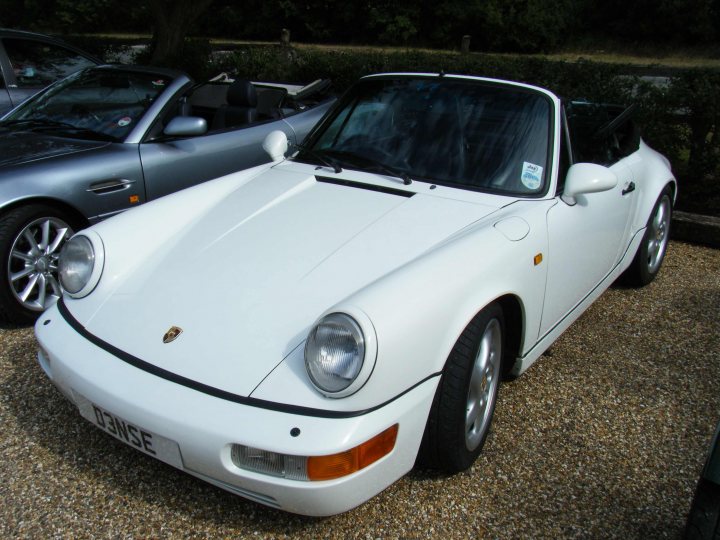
(78, 220)
(658, 177)
(512, 308)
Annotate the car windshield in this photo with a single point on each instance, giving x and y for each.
(462, 133)
(96, 104)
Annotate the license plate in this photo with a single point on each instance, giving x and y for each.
(139, 438)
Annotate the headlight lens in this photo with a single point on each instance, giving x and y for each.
(334, 352)
(76, 264)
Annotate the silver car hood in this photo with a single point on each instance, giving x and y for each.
(247, 279)
(18, 147)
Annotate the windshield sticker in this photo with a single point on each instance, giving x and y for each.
(124, 121)
(159, 82)
(531, 175)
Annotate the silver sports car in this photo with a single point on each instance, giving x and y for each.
(109, 138)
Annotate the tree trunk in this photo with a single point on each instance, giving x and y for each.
(173, 19)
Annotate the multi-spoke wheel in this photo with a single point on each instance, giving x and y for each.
(650, 254)
(465, 399)
(483, 385)
(30, 241)
(657, 237)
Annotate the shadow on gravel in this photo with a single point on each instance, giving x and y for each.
(11, 326)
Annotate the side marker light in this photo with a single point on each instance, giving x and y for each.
(355, 459)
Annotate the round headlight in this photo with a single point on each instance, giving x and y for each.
(80, 265)
(334, 353)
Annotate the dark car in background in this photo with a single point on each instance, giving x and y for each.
(109, 138)
(29, 62)
(703, 522)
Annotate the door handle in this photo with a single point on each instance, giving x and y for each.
(629, 189)
(109, 186)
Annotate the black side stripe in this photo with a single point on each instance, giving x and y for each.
(216, 392)
(360, 185)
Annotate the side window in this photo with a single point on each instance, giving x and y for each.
(600, 133)
(37, 64)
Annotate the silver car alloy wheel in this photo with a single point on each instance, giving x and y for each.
(658, 235)
(483, 385)
(32, 263)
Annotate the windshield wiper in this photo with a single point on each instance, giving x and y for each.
(376, 166)
(36, 124)
(373, 165)
(320, 155)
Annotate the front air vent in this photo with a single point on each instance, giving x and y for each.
(360, 185)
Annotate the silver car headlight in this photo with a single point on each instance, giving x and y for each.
(335, 354)
(81, 263)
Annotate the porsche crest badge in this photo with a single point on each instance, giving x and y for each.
(172, 334)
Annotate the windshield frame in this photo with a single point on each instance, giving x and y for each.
(351, 94)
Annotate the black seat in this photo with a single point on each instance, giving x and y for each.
(241, 108)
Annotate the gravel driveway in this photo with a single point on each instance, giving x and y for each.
(604, 437)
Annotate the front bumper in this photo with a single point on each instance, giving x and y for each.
(205, 427)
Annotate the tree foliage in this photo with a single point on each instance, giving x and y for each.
(495, 25)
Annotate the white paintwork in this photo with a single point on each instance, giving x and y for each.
(247, 263)
(275, 144)
(585, 178)
(514, 228)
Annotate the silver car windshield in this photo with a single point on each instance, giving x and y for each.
(96, 103)
(462, 133)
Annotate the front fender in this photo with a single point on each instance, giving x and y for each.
(419, 310)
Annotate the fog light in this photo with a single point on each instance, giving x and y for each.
(270, 463)
(315, 468)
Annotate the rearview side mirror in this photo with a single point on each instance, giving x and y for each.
(186, 126)
(276, 144)
(583, 178)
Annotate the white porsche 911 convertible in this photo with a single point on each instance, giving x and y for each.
(302, 333)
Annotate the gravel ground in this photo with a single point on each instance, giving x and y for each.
(604, 437)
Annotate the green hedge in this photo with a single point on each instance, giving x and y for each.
(679, 119)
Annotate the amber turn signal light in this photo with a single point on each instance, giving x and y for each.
(355, 459)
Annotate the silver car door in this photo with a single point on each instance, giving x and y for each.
(171, 164)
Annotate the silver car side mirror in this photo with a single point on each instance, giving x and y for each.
(276, 144)
(186, 126)
(585, 178)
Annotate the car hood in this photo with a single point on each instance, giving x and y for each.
(18, 147)
(246, 280)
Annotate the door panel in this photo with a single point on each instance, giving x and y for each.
(586, 242)
(173, 165)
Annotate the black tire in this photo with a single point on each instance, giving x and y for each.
(704, 519)
(448, 444)
(42, 264)
(651, 252)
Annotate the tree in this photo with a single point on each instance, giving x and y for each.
(172, 22)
